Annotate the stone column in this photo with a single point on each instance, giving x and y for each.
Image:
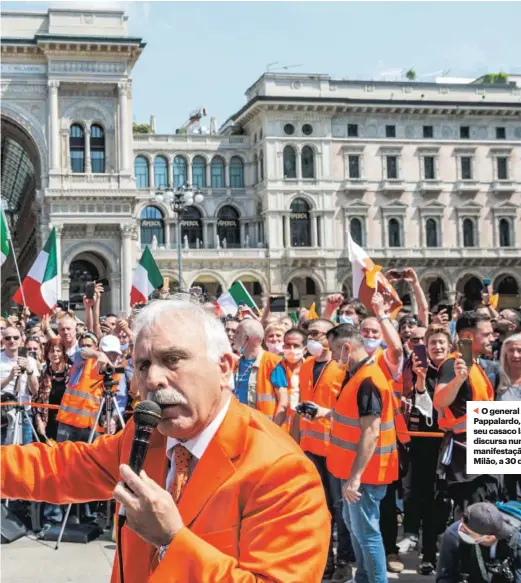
(189, 177)
(126, 264)
(170, 172)
(123, 126)
(206, 239)
(59, 229)
(314, 231)
(54, 126)
(243, 234)
(227, 174)
(286, 234)
(88, 167)
(209, 175)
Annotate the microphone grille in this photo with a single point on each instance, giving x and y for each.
(147, 413)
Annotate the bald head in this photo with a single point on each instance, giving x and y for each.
(67, 331)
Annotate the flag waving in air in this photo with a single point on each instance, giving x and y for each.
(230, 301)
(147, 278)
(367, 278)
(39, 290)
(4, 240)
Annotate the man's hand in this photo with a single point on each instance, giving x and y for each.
(40, 425)
(24, 363)
(350, 490)
(441, 318)
(15, 372)
(103, 360)
(151, 510)
(409, 275)
(334, 300)
(460, 370)
(457, 310)
(378, 304)
(88, 303)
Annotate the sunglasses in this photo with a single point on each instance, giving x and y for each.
(9, 338)
(315, 333)
(34, 339)
(415, 340)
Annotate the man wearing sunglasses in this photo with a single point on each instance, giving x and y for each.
(19, 377)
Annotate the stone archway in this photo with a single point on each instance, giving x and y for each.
(507, 287)
(85, 267)
(210, 284)
(253, 286)
(302, 293)
(470, 287)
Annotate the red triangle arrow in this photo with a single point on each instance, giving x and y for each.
(476, 410)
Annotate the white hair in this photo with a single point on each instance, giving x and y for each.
(504, 375)
(217, 343)
(252, 328)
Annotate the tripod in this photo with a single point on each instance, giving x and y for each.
(110, 407)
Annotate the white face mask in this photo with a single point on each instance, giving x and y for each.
(466, 538)
(371, 345)
(343, 319)
(293, 355)
(314, 348)
(275, 347)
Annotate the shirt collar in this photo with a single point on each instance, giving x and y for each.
(198, 444)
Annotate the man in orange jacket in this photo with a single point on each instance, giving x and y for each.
(251, 507)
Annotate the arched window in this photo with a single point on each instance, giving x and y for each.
(468, 233)
(261, 165)
(192, 227)
(431, 230)
(199, 172)
(395, 236)
(355, 228)
(217, 168)
(97, 149)
(152, 224)
(141, 172)
(160, 172)
(255, 169)
(77, 148)
(505, 240)
(300, 223)
(307, 158)
(81, 271)
(228, 227)
(179, 171)
(236, 172)
(289, 157)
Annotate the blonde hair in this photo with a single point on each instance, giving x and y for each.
(504, 373)
(275, 327)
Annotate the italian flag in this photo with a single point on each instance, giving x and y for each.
(4, 241)
(229, 302)
(147, 278)
(39, 291)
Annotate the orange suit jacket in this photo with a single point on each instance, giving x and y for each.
(254, 508)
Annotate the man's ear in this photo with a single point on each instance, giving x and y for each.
(226, 366)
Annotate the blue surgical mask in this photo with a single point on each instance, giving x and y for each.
(371, 345)
(343, 319)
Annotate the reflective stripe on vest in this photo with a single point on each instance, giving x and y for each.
(266, 400)
(379, 450)
(80, 412)
(355, 422)
(315, 435)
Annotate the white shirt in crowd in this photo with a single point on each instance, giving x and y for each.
(6, 365)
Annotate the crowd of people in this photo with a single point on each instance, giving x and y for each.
(377, 401)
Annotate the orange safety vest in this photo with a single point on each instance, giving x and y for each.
(383, 467)
(290, 413)
(397, 388)
(80, 402)
(482, 390)
(266, 398)
(314, 435)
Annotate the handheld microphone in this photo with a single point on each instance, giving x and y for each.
(147, 416)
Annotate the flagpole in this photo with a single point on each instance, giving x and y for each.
(10, 241)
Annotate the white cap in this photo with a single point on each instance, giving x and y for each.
(110, 343)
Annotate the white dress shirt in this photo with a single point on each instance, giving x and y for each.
(196, 446)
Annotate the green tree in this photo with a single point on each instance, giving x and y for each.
(140, 128)
(410, 75)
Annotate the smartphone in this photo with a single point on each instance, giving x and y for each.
(487, 282)
(22, 352)
(465, 349)
(277, 304)
(89, 290)
(32, 354)
(395, 273)
(105, 283)
(420, 351)
(446, 307)
(307, 409)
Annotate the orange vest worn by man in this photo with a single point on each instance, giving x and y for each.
(254, 508)
(314, 435)
(346, 431)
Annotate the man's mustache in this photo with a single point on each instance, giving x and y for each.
(166, 397)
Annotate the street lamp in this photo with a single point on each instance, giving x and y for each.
(180, 199)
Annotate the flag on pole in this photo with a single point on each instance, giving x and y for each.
(312, 314)
(367, 278)
(229, 301)
(39, 289)
(4, 241)
(147, 278)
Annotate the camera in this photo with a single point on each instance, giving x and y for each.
(502, 568)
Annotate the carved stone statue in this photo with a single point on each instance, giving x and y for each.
(186, 242)
(224, 243)
(154, 243)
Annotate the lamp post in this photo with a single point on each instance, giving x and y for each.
(180, 199)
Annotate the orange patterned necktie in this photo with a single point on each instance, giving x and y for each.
(182, 458)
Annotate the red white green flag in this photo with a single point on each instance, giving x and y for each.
(147, 278)
(40, 286)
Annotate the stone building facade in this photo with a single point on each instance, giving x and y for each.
(422, 174)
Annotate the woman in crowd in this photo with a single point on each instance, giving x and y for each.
(33, 346)
(421, 508)
(274, 338)
(510, 390)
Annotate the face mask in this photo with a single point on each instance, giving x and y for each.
(275, 347)
(293, 355)
(342, 319)
(371, 344)
(466, 538)
(315, 348)
(124, 347)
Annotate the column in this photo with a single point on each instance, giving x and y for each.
(54, 128)
(286, 231)
(189, 177)
(324, 243)
(243, 234)
(313, 231)
(126, 275)
(206, 239)
(123, 126)
(227, 174)
(299, 165)
(209, 175)
(59, 229)
(88, 168)
(170, 172)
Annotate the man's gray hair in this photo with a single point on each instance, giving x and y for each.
(217, 343)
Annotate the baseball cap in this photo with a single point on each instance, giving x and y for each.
(110, 343)
(484, 518)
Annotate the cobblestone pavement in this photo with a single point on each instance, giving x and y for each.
(31, 561)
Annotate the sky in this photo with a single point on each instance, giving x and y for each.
(206, 54)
